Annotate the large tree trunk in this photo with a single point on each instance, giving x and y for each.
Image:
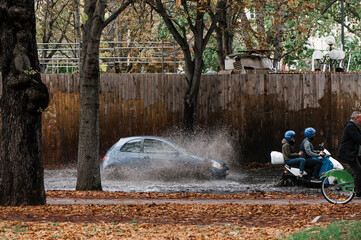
(193, 76)
(88, 148)
(24, 97)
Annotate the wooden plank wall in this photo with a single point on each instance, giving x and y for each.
(256, 109)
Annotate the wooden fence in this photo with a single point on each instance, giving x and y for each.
(256, 109)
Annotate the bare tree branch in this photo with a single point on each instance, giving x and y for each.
(116, 13)
(328, 6)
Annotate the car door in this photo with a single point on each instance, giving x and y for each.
(130, 153)
(159, 154)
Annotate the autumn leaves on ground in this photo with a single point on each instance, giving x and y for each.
(169, 220)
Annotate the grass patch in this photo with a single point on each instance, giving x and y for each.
(20, 228)
(337, 230)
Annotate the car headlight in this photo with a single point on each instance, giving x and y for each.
(216, 164)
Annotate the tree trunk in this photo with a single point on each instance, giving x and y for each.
(220, 30)
(193, 76)
(224, 36)
(191, 96)
(228, 42)
(278, 41)
(24, 97)
(220, 52)
(88, 148)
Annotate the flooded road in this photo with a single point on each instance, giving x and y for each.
(236, 182)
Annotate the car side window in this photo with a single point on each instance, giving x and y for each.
(132, 146)
(155, 146)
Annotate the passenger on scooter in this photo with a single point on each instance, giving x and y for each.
(310, 154)
(292, 158)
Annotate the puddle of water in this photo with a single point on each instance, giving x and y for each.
(208, 144)
(236, 182)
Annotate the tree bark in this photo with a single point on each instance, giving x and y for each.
(191, 95)
(88, 148)
(220, 37)
(24, 97)
(221, 56)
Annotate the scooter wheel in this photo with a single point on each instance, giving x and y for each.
(333, 193)
(288, 181)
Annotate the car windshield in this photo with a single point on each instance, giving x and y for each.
(156, 146)
(132, 146)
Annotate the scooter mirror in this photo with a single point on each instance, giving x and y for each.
(321, 146)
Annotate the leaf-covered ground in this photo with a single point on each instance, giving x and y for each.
(168, 220)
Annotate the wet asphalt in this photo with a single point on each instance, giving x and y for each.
(235, 182)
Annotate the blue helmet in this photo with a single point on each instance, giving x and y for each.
(289, 134)
(309, 131)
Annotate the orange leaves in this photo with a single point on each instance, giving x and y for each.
(153, 195)
(97, 231)
(169, 220)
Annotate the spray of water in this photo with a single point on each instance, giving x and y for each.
(209, 144)
(215, 144)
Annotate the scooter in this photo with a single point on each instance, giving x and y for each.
(290, 175)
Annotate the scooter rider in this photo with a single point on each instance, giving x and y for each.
(292, 158)
(309, 153)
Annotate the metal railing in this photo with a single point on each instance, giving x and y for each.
(114, 56)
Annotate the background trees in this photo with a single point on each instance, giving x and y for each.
(58, 21)
(24, 98)
(283, 27)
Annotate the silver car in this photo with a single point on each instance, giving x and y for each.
(143, 153)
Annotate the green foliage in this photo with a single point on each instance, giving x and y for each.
(20, 228)
(353, 54)
(162, 32)
(210, 57)
(336, 230)
(31, 71)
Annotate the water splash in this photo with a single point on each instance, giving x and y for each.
(206, 144)
(209, 144)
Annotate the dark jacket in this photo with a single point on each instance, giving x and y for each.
(308, 150)
(350, 141)
(288, 150)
